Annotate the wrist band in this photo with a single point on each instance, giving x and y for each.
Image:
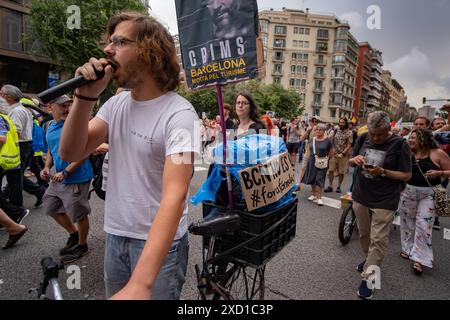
(85, 98)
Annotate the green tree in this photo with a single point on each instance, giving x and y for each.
(273, 97)
(71, 48)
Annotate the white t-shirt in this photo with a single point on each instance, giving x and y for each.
(23, 120)
(141, 135)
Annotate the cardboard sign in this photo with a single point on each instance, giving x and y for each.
(218, 40)
(267, 183)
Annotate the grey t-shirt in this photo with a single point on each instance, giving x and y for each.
(381, 192)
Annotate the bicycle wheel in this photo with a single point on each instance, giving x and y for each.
(244, 283)
(347, 225)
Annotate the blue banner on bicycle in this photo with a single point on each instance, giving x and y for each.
(218, 40)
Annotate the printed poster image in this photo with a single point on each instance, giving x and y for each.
(218, 40)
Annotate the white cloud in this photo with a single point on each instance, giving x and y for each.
(355, 19)
(415, 72)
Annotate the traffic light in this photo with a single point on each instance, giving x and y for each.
(424, 100)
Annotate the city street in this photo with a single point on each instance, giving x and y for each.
(314, 265)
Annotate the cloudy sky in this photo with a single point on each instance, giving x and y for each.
(413, 37)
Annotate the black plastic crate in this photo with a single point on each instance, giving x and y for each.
(262, 250)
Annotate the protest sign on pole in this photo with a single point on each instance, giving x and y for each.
(218, 40)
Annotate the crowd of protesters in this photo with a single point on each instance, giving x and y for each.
(144, 127)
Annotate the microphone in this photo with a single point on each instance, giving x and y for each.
(70, 85)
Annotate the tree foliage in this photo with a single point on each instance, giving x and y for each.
(273, 97)
(49, 23)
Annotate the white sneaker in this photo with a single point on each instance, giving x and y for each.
(320, 202)
(312, 198)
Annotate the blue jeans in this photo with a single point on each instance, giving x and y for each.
(122, 254)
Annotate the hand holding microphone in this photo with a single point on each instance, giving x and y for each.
(98, 73)
(90, 80)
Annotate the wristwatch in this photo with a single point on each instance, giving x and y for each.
(66, 173)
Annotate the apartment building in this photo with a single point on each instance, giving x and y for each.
(396, 93)
(17, 66)
(369, 87)
(314, 55)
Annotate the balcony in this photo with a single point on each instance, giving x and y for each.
(317, 104)
(337, 76)
(322, 48)
(277, 59)
(375, 75)
(378, 58)
(376, 85)
(337, 90)
(338, 63)
(322, 37)
(280, 33)
(320, 76)
(373, 103)
(375, 94)
(278, 73)
(320, 63)
(349, 82)
(318, 90)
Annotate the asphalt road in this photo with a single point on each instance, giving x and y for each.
(314, 265)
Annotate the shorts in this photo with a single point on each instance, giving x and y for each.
(67, 198)
(293, 147)
(339, 164)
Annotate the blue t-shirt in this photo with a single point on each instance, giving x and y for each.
(4, 127)
(83, 173)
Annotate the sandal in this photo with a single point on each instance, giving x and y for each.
(417, 268)
(13, 238)
(404, 255)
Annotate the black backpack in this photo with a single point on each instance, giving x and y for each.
(97, 165)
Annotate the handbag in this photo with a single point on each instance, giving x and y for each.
(319, 162)
(441, 197)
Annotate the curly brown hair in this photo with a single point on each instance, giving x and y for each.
(425, 139)
(156, 47)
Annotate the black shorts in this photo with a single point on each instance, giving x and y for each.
(293, 147)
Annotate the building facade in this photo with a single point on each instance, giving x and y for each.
(396, 94)
(427, 111)
(315, 55)
(28, 72)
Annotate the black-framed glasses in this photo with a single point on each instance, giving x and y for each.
(119, 42)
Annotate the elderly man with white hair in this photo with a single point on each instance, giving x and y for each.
(385, 161)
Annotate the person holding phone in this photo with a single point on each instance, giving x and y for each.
(385, 160)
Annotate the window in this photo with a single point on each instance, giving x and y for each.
(318, 84)
(303, 83)
(294, 56)
(277, 68)
(11, 29)
(319, 71)
(298, 69)
(293, 69)
(320, 58)
(322, 46)
(295, 43)
(278, 55)
(307, 31)
(297, 83)
(276, 80)
(305, 56)
(291, 82)
(306, 44)
(333, 113)
(264, 26)
(340, 45)
(279, 43)
(316, 112)
(340, 58)
(305, 69)
(264, 40)
(280, 30)
(322, 33)
(317, 98)
(342, 33)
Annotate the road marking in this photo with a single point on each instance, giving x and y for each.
(330, 202)
(446, 234)
(198, 169)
